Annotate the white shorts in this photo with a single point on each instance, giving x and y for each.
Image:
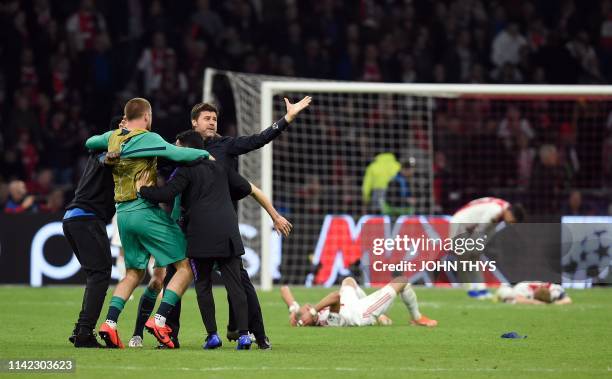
(360, 312)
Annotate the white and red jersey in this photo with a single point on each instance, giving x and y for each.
(477, 215)
(328, 318)
(528, 290)
(84, 27)
(357, 308)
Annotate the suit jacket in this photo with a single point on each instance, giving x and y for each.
(210, 222)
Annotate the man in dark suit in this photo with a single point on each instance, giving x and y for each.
(226, 150)
(210, 223)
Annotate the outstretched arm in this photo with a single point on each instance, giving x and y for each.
(99, 142)
(280, 223)
(566, 300)
(153, 145)
(331, 300)
(166, 193)
(244, 144)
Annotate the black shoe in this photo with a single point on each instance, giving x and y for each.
(263, 343)
(74, 333)
(177, 345)
(87, 340)
(233, 335)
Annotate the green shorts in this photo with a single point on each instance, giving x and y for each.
(150, 231)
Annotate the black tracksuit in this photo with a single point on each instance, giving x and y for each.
(226, 150)
(210, 224)
(86, 233)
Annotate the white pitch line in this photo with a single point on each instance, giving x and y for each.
(351, 369)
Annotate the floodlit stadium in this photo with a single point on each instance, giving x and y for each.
(275, 188)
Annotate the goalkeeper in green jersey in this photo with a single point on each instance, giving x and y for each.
(144, 228)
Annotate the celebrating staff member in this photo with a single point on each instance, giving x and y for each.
(225, 149)
(211, 226)
(84, 226)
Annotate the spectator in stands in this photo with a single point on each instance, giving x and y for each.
(83, 26)
(29, 153)
(524, 161)
(547, 182)
(152, 63)
(42, 184)
(574, 206)
(12, 166)
(4, 192)
(583, 52)
(507, 45)
(63, 55)
(18, 200)
(512, 127)
(54, 202)
(376, 179)
(207, 20)
(400, 196)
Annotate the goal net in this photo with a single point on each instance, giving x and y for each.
(333, 173)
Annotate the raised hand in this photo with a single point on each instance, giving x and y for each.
(294, 109)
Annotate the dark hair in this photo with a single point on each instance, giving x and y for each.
(191, 138)
(518, 211)
(203, 107)
(409, 162)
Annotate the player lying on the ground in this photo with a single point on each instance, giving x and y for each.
(533, 293)
(350, 306)
(477, 218)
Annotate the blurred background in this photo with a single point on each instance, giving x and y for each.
(69, 66)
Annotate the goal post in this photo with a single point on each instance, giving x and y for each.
(315, 171)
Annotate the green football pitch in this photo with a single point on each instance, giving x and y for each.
(563, 341)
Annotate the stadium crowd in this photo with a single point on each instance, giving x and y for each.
(68, 65)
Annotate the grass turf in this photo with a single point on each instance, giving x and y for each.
(563, 341)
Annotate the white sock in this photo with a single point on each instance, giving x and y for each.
(410, 300)
(160, 320)
(112, 324)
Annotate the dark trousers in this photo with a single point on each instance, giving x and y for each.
(88, 239)
(255, 318)
(230, 275)
(256, 324)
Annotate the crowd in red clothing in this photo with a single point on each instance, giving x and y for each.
(67, 66)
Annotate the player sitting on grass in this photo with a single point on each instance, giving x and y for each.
(352, 307)
(533, 293)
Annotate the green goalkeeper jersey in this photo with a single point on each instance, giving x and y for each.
(139, 149)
